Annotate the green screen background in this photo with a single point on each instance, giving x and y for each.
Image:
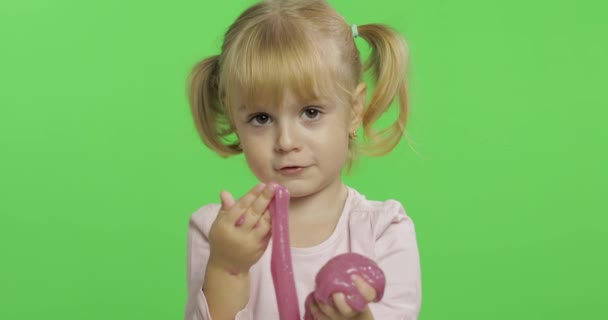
(504, 174)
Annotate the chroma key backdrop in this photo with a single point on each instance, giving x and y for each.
(503, 170)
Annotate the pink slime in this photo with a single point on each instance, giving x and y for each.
(280, 260)
(334, 276)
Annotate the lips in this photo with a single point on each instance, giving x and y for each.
(291, 169)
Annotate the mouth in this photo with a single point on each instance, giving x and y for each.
(291, 169)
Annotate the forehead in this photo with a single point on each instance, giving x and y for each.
(283, 87)
(287, 98)
(261, 69)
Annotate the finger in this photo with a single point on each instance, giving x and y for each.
(316, 312)
(342, 305)
(241, 205)
(262, 227)
(261, 203)
(227, 200)
(246, 201)
(257, 208)
(227, 203)
(327, 310)
(367, 291)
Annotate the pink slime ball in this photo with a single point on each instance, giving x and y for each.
(335, 276)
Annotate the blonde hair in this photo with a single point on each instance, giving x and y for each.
(295, 44)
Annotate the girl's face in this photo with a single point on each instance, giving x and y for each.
(302, 145)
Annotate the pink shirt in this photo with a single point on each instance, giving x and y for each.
(381, 231)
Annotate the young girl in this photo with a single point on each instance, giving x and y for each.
(287, 90)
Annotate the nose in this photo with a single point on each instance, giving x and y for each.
(287, 138)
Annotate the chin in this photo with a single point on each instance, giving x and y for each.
(298, 189)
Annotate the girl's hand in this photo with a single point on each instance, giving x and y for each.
(342, 310)
(240, 233)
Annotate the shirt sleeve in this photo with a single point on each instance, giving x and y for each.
(197, 257)
(397, 254)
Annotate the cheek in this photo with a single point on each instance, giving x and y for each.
(257, 156)
(338, 137)
(257, 166)
(334, 145)
(253, 151)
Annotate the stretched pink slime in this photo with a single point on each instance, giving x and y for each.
(334, 276)
(280, 260)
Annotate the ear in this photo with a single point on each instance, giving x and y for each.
(358, 105)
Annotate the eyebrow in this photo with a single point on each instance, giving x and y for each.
(318, 101)
(243, 108)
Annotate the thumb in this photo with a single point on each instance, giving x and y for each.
(366, 290)
(227, 200)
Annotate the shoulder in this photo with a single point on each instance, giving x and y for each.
(380, 215)
(202, 219)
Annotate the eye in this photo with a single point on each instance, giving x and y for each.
(312, 113)
(259, 119)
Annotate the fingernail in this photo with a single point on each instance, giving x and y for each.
(260, 187)
(271, 186)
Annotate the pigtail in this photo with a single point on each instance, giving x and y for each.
(211, 121)
(387, 63)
